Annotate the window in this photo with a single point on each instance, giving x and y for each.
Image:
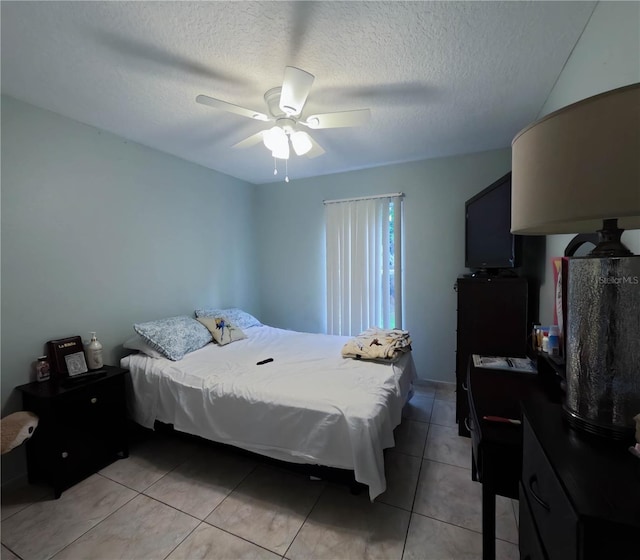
(364, 263)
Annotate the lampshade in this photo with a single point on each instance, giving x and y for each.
(301, 142)
(578, 166)
(281, 150)
(275, 139)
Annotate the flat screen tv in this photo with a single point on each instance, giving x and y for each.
(490, 248)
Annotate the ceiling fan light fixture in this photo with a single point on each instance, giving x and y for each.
(301, 142)
(281, 151)
(275, 138)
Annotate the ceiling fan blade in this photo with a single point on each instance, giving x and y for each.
(338, 119)
(147, 57)
(295, 90)
(250, 141)
(231, 108)
(316, 149)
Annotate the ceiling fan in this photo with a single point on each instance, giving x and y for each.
(284, 107)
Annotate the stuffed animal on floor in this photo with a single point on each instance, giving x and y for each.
(16, 428)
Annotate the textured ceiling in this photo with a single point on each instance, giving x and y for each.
(440, 78)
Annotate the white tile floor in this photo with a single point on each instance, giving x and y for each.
(177, 498)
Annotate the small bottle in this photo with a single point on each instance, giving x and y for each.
(94, 353)
(534, 338)
(42, 369)
(554, 340)
(545, 343)
(540, 338)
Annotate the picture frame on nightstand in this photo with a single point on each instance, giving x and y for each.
(76, 364)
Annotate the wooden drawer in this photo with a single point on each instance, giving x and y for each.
(552, 513)
(98, 409)
(472, 426)
(530, 545)
(462, 408)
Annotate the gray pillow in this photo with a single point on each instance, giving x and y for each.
(175, 336)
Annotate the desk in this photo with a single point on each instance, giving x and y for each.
(497, 447)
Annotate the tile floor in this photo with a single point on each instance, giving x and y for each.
(177, 498)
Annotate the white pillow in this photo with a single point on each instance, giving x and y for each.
(138, 343)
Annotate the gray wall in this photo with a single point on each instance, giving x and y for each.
(99, 233)
(290, 225)
(606, 57)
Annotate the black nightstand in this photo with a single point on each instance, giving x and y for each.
(82, 427)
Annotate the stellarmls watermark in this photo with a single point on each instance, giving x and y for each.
(619, 280)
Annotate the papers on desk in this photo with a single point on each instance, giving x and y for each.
(524, 365)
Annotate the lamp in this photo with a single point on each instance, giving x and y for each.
(577, 170)
(281, 150)
(301, 142)
(275, 139)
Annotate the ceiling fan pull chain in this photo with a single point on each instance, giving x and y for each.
(286, 170)
(275, 166)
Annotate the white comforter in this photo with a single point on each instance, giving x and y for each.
(310, 405)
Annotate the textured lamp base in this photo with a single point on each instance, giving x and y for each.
(609, 431)
(603, 345)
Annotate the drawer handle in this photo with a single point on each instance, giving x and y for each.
(65, 454)
(534, 479)
(464, 386)
(94, 400)
(466, 423)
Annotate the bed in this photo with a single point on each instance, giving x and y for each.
(309, 405)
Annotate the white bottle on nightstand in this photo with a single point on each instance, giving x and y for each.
(94, 353)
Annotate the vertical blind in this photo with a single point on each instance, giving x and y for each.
(364, 263)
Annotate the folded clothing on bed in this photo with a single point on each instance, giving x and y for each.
(378, 344)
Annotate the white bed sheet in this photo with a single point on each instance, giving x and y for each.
(310, 405)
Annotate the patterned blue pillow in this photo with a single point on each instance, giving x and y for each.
(239, 318)
(174, 337)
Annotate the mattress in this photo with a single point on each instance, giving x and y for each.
(308, 405)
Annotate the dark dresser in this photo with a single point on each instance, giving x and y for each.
(491, 320)
(579, 494)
